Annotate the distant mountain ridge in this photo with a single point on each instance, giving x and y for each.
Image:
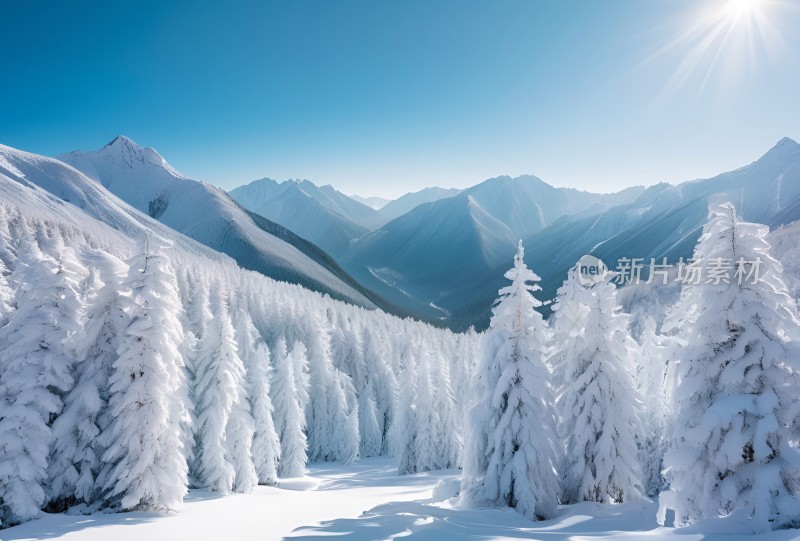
(429, 251)
(443, 259)
(324, 215)
(373, 202)
(321, 214)
(405, 203)
(143, 179)
(664, 221)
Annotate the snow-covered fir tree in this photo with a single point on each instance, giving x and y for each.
(463, 361)
(343, 443)
(450, 441)
(511, 456)
(75, 458)
(369, 425)
(289, 418)
(196, 315)
(266, 447)
(36, 360)
(218, 382)
(240, 429)
(734, 412)
(145, 464)
(360, 354)
(651, 378)
(427, 437)
(599, 408)
(6, 296)
(322, 389)
(405, 428)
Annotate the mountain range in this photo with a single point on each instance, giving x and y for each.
(663, 221)
(443, 259)
(437, 254)
(123, 174)
(323, 215)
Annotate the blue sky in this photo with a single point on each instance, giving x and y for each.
(384, 97)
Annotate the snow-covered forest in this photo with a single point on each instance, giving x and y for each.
(131, 371)
(703, 414)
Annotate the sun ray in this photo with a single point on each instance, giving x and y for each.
(728, 37)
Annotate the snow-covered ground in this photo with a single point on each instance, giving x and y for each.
(364, 501)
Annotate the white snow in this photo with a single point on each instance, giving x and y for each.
(364, 501)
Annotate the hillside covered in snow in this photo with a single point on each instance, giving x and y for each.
(144, 180)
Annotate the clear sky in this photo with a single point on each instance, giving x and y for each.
(384, 97)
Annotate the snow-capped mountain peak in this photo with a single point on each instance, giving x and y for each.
(124, 151)
(143, 179)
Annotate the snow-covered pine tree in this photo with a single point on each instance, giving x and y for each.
(450, 443)
(218, 380)
(145, 464)
(6, 296)
(598, 404)
(302, 378)
(240, 432)
(266, 447)
(369, 426)
(405, 428)
(322, 390)
(240, 429)
(36, 360)
(289, 417)
(75, 461)
(365, 372)
(510, 458)
(343, 445)
(651, 378)
(734, 411)
(427, 435)
(462, 367)
(195, 318)
(266, 444)
(347, 352)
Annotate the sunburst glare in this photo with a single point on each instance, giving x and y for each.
(722, 41)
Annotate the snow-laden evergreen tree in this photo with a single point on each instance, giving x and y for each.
(734, 411)
(346, 351)
(240, 429)
(302, 378)
(369, 427)
(218, 380)
(510, 459)
(450, 442)
(322, 390)
(382, 365)
(343, 443)
(75, 461)
(405, 428)
(289, 417)
(427, 417)
(598, 404)
(36, 360)
(145, 464)
(651, 377)
(266, 447)
(195, 318)
(6, 296)
(239, 442)
(463, 360)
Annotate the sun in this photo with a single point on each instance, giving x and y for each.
(739, 9)
(720, 42)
